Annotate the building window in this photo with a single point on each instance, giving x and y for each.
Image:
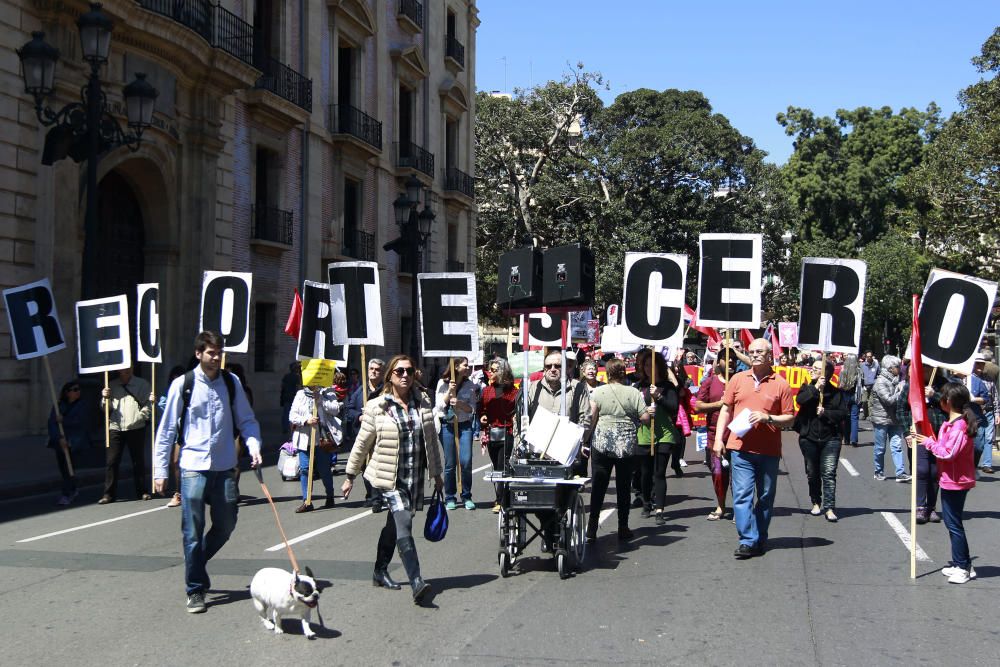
(345, 76)
(405, 116)
(450, 143)
(264, 337)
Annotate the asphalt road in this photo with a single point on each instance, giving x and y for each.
(825, 594)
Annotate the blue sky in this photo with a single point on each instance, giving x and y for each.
(752, 59)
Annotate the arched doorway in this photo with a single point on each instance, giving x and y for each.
(120, 240)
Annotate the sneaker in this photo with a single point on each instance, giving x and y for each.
(63, 501)
(175, 501)
(105, 500)
(987, 469)
(815, 511)
(743, 552)
(952, 571)
(922, 516)
(661, 519)
(959, 576)
(935, 517)
(831, 516)
(469, 505)
(682, 463)
(450, 505)
(879, 477)
(903, 478)
(304, 507)
(196, 603)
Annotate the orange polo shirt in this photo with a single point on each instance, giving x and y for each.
(771, 395)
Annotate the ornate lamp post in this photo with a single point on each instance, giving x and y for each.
(414, 231)
(84, 130)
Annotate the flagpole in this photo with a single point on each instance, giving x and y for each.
(913, 453)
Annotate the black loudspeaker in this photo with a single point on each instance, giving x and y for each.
(519, 278)
(568, 276)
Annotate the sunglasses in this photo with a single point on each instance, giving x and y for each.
(548, 366)
(400, 372)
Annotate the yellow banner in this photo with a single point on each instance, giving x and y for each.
(318, 372)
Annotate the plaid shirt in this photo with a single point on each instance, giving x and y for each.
(936, 416)
(407, 472)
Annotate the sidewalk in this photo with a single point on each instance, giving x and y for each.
(30, 467)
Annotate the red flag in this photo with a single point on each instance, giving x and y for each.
(918, 403)
(294, 317)
(772, 333)
(714, 339)
(746, 338)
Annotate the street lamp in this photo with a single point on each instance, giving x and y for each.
(84, 130)
(414, 230)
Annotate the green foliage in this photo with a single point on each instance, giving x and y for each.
(896, 271)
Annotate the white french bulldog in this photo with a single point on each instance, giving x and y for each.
(279, 594)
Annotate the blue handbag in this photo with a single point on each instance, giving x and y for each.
(436, 525)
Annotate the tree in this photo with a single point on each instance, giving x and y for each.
(531, 170)
(959, 180)
(845, 173)
(670, 170)
(896, 271)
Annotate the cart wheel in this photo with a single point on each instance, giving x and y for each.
(501, 524)
(578, 533)
(562, 565)
(504, 559)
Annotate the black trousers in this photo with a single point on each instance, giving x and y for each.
(601, 467)
(135, 442)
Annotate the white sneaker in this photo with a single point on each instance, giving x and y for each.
(953, 571)
(682, 463)
(960, 576)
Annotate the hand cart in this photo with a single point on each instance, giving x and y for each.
(548, 509)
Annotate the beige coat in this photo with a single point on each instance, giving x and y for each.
(379, 434)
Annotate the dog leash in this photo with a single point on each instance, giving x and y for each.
(270, 500)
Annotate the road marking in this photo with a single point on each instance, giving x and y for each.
(605, 514)
(338, 524)
(92, 525)
(904, 535)
(850, 469)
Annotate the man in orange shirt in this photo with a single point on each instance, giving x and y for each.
(767, 398)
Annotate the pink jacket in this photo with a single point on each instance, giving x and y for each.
(955, 456)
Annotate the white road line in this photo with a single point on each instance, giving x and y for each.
(850, 469)
(904, 535)
(605, 514)
(338, 524)
(91, 525)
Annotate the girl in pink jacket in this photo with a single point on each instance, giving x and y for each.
(956, 466)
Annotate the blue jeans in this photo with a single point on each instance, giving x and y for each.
(855, 415)
(985, 439)
(952, 505)
(465, 456)
(894, 434)
(324, 463)
(753, 473)
(217, 488)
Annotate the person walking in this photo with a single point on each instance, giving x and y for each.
(885, 393)
(820, 428)
(616, 412)
(955, 452)
(397, 428)
(131, 403)
(709, 403)
(496, 415)
(760, 401)
(869, 373)
(76, 440)
(664, 400)
(204, 410)
(456, 401)
(851, 385)
(983, 393)
(303, 420)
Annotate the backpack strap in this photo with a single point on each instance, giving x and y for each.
(574, 408)
(227, 377)
(533, 404)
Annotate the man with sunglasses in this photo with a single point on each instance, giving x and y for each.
(547, 393)
(756, 453)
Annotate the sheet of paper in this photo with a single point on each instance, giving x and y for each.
(541, 429)
(741, 423)
(565, 442)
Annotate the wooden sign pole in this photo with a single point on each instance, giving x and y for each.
(312, 451)
(107, 415)
(824, 378)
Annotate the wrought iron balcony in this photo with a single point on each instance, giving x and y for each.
(457, 180)
(454, 266)
(272, 224)
(453, 49)
(411, 156)
(412, 10)
(284, 82)
(345, 119)
(359, 245)
(217, 25)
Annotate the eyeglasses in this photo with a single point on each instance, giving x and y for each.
(400, 372)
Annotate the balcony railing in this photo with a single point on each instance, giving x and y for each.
(453, 49)
(272, 224)
(411, 156)
(454, 266)
(412, 10)
(459, 181)
(359, 245)
(219, 26)
(345, 119)
(284, 82)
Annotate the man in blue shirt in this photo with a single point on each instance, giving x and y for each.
(207, 459)
(869, 373)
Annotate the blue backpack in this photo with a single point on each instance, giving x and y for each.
(436, 525)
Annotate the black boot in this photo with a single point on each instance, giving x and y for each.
(383, 554)
(408, 554)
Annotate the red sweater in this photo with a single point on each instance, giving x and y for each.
(956, 459)
(498, 408)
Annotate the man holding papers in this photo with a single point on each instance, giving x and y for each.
(755, 406)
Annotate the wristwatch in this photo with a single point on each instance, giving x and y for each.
(770, 419)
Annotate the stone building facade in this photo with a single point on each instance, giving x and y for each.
(283, 132)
